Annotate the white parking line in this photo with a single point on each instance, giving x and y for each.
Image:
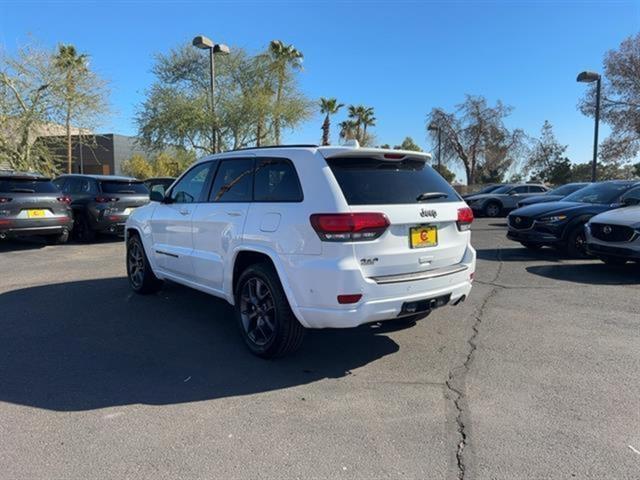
(634, 449)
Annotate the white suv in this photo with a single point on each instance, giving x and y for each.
(307, 237)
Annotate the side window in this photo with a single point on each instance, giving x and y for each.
(536, 189)
(233, 182)
(631, 197)
(190, 187)
(276, 180)
(521, 189)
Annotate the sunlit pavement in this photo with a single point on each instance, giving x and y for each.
(535, 376)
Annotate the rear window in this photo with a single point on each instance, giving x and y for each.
(110, 186)
(368, 181)
(26, 186)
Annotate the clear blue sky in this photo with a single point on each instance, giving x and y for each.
(403, 58)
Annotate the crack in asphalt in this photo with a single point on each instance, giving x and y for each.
(455, 382)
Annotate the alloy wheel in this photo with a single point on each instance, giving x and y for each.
(257, 311)
(135, 263)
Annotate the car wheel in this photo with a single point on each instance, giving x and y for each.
(576, 242)
(267, 324)
(141, 277)
(59, 239)
(492, 210)
(531, 246)
(82, 229)
(614, 260)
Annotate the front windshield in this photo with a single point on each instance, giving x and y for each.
(566, 189)
(502, 189)
(600, 193)
(487, 189)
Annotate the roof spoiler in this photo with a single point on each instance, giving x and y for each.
(376, 153)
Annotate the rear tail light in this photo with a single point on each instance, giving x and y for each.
(353, 298)
(348, 227)
(64, 199)
(5, 199)
(465, 218)
(102, 199)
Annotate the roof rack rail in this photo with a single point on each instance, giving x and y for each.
(300, 145)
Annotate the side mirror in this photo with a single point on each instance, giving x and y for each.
(512, 192)
(156, 196)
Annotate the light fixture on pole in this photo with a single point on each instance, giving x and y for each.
(206, 43)
(434, 128)
(590, 77)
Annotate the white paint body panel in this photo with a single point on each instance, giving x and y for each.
(313, 273)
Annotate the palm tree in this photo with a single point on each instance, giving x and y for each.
(368, 120)
(348, 130)
(71, 65)
(362, 117)
(283, 57)
(328, 106)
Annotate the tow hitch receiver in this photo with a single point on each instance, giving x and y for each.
(419, 306)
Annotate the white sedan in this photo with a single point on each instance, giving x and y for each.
(614, 236)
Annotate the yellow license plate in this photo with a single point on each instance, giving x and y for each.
(35, 213)
(423, 236)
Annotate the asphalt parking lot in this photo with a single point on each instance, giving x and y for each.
(535, 376)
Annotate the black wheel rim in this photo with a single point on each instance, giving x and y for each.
(580, 241)
(492, 210)
(257, 311)
(135, 264)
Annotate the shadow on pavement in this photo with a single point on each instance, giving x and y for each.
(94, 344)
(18, 244)
(520, 254)
(590, 273)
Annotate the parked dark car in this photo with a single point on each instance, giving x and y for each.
(32, 205)
(503, 199)
(159, 184)
(553, 195)
(561, 224)
(485, 189)
(101, 203)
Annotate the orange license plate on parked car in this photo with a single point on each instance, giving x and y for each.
(422, 237)
(35, 213)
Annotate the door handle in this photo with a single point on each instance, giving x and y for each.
(184, 211)
(234, 214)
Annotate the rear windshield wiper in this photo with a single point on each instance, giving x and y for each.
(431, 196)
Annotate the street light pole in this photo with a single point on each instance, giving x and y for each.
(212, 83)
(589, 77)
(205, 43)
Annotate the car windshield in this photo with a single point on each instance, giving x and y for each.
(566, 189)
(26, 185)
(503, 189)
(600, 193)
(487, 189)
(111, 186)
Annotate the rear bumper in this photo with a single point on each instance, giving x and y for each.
(315, 286)
(110, 224)
(45, 226)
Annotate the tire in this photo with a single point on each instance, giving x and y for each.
(141, 277)
(60, 238)
(267, 325)
(82, 229)
(492, 210)
(576, 242)
(614, 260)
(531, 246)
